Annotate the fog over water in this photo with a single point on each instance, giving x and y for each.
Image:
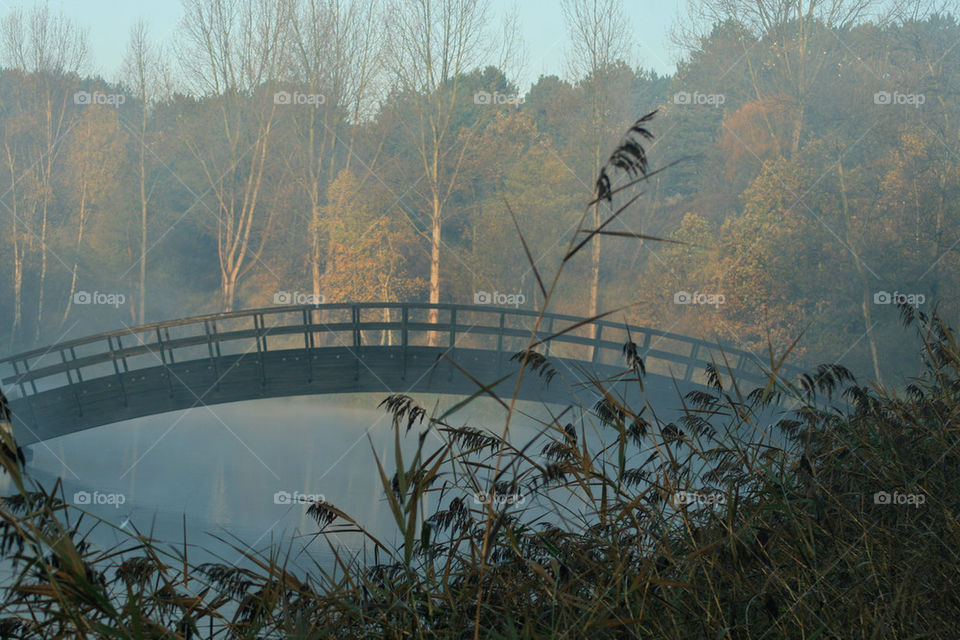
(220, 468)
(232, 471)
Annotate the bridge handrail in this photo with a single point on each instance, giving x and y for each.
(226, 315)
(453, 328)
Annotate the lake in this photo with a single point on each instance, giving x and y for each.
(235, 471)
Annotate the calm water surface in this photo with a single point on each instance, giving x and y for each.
(228, 470)
(231, 472)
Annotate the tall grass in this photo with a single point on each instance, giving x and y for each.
(570, 536)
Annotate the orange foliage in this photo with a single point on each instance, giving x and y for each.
(755, 132)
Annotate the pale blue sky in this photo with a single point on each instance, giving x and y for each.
(542, 26)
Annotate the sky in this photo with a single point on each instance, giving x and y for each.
(109, 21)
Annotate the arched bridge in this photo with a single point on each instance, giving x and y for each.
(335, 348)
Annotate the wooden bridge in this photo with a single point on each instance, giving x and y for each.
(338, 348)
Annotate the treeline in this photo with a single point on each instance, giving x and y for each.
(307, 150)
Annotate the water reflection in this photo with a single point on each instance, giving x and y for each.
(227, 470)
(232, 473)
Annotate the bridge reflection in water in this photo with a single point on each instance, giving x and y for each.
(340, 348)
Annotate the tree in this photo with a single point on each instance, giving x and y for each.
(233, 52)
(772, 260)
(797, 42)
(50, 51)
(371, 254)
(144, 72)
(747, 143)
(94, 160)
(336, 52)
(432, 44)
(598, 42)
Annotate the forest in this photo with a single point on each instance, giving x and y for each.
(790, 189)
(805, 169)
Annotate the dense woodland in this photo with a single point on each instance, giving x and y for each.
(369, 150)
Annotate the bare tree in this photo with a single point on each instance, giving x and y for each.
(11, 167)
(93, 159)
(336, 52)
(51, 51)
(231, 52)
(599, 39)
(144, 72)
(43, 42)
(431, 44)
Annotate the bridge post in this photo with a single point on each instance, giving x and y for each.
(645, 347)
(690, 365)
(123, 359)
(595, 356)
(308, 342)
(503, 317)
(213, 360)
(76, 396)
(216, 337)
(26, 370)
(546, 345)
(163, 359)
(452, 349)
(404, 339)
(116, 369)
(23, 390)
(73, 356)
(357, 339)
(261, 347)
(166, 332)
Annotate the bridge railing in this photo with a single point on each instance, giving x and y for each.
(358, 326)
